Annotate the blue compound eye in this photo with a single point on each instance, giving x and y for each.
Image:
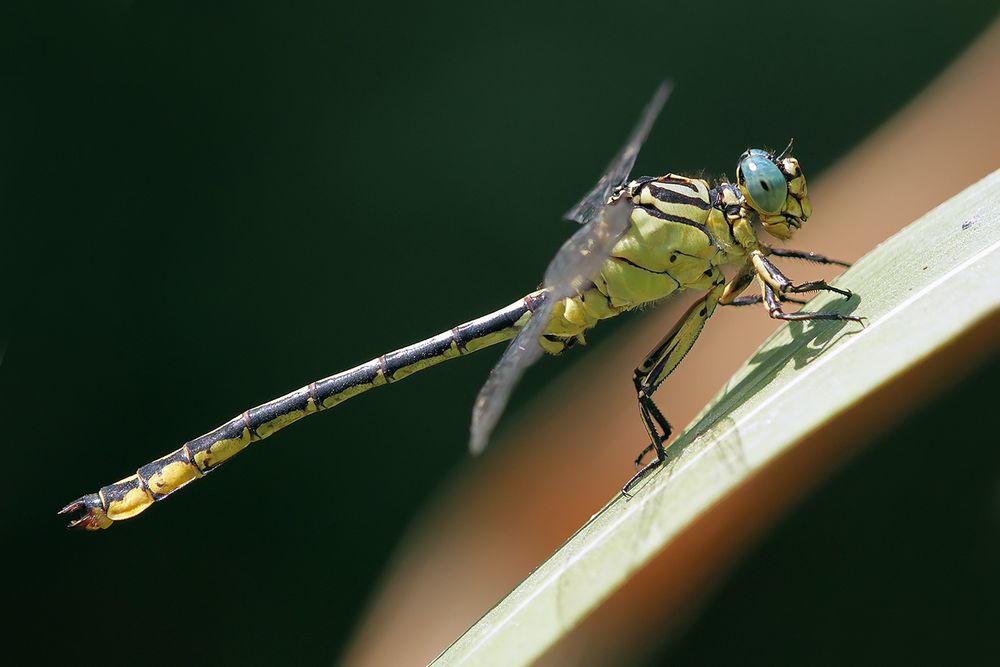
(764, 182)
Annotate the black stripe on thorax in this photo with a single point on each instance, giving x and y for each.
(672, 197)
(657, 213)
(666, 273)
(676, 180)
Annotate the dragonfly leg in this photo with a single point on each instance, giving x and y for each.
(774, 310)
(819, 286)
(770, 275)
(745, 276)
(655, 368)
(650, 413)
(759, 298)
(638, 459)
(808, 256)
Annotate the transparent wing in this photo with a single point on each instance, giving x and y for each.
(618, 171)
(569, 273)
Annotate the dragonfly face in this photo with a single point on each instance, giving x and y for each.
(775, 188)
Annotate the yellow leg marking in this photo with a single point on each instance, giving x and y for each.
(739, 283)
(763, 272)
(682, 338)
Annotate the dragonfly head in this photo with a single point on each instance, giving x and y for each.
(775, 188)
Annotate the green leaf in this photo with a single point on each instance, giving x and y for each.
(920, 291)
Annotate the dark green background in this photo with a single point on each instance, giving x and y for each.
(203, 205)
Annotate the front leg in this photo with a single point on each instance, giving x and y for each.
(806, 255)
(655, 368)
(774, 285)
(773, 302)
(759, 298)
(771, 275)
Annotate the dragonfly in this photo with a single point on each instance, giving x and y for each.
(640, 240)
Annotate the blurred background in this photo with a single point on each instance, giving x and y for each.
(204, 206)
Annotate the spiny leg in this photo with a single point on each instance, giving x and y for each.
(819, 286)
(759, 298)
(771, 275)
(774, 310)
(806, 255)
(648, 409)
(655, 368)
